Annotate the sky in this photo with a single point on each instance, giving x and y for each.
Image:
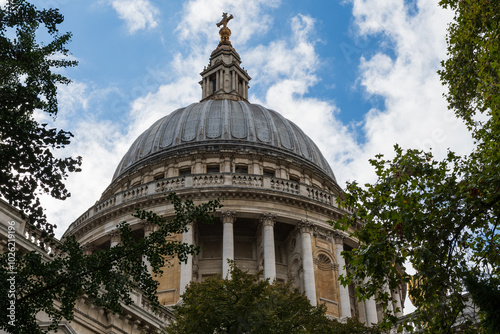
(358, 76)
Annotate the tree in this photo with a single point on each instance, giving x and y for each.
(440, 216)
(244, 303)
(28, 83)
(105, 278)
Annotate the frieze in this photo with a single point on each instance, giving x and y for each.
(323, 233)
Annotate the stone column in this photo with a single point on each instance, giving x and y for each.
(206, 89)
(148, 229)
(390, 306)
(268, 220)
(398, 308)
(226, 80)
(228, 218)
(345, 301)
(114, 238)
(370, 311)
(88, 249)
(309, 283)
(187, 268)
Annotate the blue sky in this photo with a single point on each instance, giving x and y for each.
(357, 76)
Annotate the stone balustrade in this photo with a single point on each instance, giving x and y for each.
(46, 245)
(170, 184)
(287, 186)
(105, 204)
(208, 180)
(205, 181)
(319, 195)
(247, 180)
(136, 192)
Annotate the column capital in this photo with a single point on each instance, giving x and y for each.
(305, 226)
(228, 217)
(88, 249)
(114, 236)
(148, 227)
(268, 219)
(338, 237)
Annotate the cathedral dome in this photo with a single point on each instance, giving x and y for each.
(278, 191)
(219, 124)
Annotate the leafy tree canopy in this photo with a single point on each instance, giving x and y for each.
(245, 303)
(106, 277)
(28, 83)
(441, 216)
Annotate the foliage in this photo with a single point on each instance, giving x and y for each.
(486, 295)
(246, 304)
(440, 216)
(28, 84)
(105, 278)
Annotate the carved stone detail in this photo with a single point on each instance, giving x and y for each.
(338, 237)
(88, 249)
(268, 219)
(228, 217)
(305, 226)
(148, 227)
(114, 236)
(323, 233)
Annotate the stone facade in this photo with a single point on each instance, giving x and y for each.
(138, 318)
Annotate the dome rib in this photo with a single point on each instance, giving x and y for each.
(222, 122)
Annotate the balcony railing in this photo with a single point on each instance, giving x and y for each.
(260, 182)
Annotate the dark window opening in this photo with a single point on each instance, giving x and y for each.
(269, 173)
(294, 178)
(159, 176)
(213, 169)
(213, 83)
(185, 171)
(241, 169)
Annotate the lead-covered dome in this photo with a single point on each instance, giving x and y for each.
(215, 124)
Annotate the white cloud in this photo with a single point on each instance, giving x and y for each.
(138, 14)
(100, 143)
(415, 113)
